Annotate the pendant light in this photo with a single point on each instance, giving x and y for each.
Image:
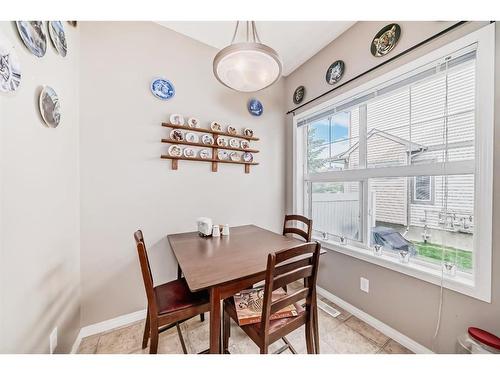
(247, 66)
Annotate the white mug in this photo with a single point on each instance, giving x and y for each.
(215, 231)
(225, 230)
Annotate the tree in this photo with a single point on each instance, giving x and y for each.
(314, 150)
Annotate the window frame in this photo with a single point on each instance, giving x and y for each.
(479, 285)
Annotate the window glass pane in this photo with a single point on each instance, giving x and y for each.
(429, 121)
(318, 140)
(422, 188)
(335, 209)
(331, 143)
(388, 130)
(461, 88)
(428, 99)
(428, 231)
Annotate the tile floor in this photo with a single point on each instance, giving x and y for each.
(344, 334)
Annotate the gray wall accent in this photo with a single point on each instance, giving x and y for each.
(407, 304)
(125, 185)
(40, 211)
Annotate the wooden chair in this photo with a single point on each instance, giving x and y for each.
(168, 304)
(306, 235)
(179, 276)
(284, 267)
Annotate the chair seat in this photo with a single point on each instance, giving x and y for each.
(274, 325)
(175, 295)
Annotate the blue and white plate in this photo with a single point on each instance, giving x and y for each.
(162, 88)
(255, 107)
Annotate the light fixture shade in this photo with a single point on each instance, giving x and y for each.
(247, 67)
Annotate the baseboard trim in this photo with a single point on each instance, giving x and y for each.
(382, 327)
(397, 336)
(107, 325)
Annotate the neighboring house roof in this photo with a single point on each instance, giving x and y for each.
(410, 146)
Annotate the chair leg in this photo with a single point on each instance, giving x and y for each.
(145, 338)
(202, 317)
(153, 349)
(263, 349)
(226, 331)
(289, 345)
(309, 337)
(181, 338)
(315, 323)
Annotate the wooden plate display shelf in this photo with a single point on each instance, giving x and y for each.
(214, 160)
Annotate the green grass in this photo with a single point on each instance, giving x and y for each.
(462, 258)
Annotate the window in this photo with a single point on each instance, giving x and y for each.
(402, 164)
(423, 190)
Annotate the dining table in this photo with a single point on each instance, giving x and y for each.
(225, 265)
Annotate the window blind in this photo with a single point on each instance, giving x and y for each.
(423, 73)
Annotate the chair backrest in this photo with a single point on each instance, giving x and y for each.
(306, 235)
(284, 267)
(147, 276)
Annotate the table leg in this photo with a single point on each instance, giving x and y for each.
(215, 321)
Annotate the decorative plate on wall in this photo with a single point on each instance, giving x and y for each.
(248, 132)
(235, 143)
(58, 37)
(335, 72)
(234, 156)
(191, 137)
(247, 157)
(10, 68)
(204, 154)
(176, 119)
(189, 152)
(176, 135)
(222, 155)
(215, 126)
(33, 36)
(299, 94)
(50, 108)
(385, 40)
(193, 122)
(222, 142)
(162, 88)
(244, 144)
(175, 150)
(207, 139)
(255, 107)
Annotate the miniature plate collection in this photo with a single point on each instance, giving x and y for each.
(227, 144)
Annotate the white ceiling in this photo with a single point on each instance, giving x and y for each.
(295, 41)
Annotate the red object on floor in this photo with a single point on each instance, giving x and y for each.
(484, 337)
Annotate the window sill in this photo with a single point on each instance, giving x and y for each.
(460, 283)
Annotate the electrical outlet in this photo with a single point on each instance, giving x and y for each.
(53, 340)
(364, 284)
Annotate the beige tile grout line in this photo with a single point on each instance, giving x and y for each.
(380, 347)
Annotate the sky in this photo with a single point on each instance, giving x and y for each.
(339, 131)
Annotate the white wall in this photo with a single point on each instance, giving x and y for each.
(39, 258)
(124, 183)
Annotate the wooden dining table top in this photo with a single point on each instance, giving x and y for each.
(211, 261)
